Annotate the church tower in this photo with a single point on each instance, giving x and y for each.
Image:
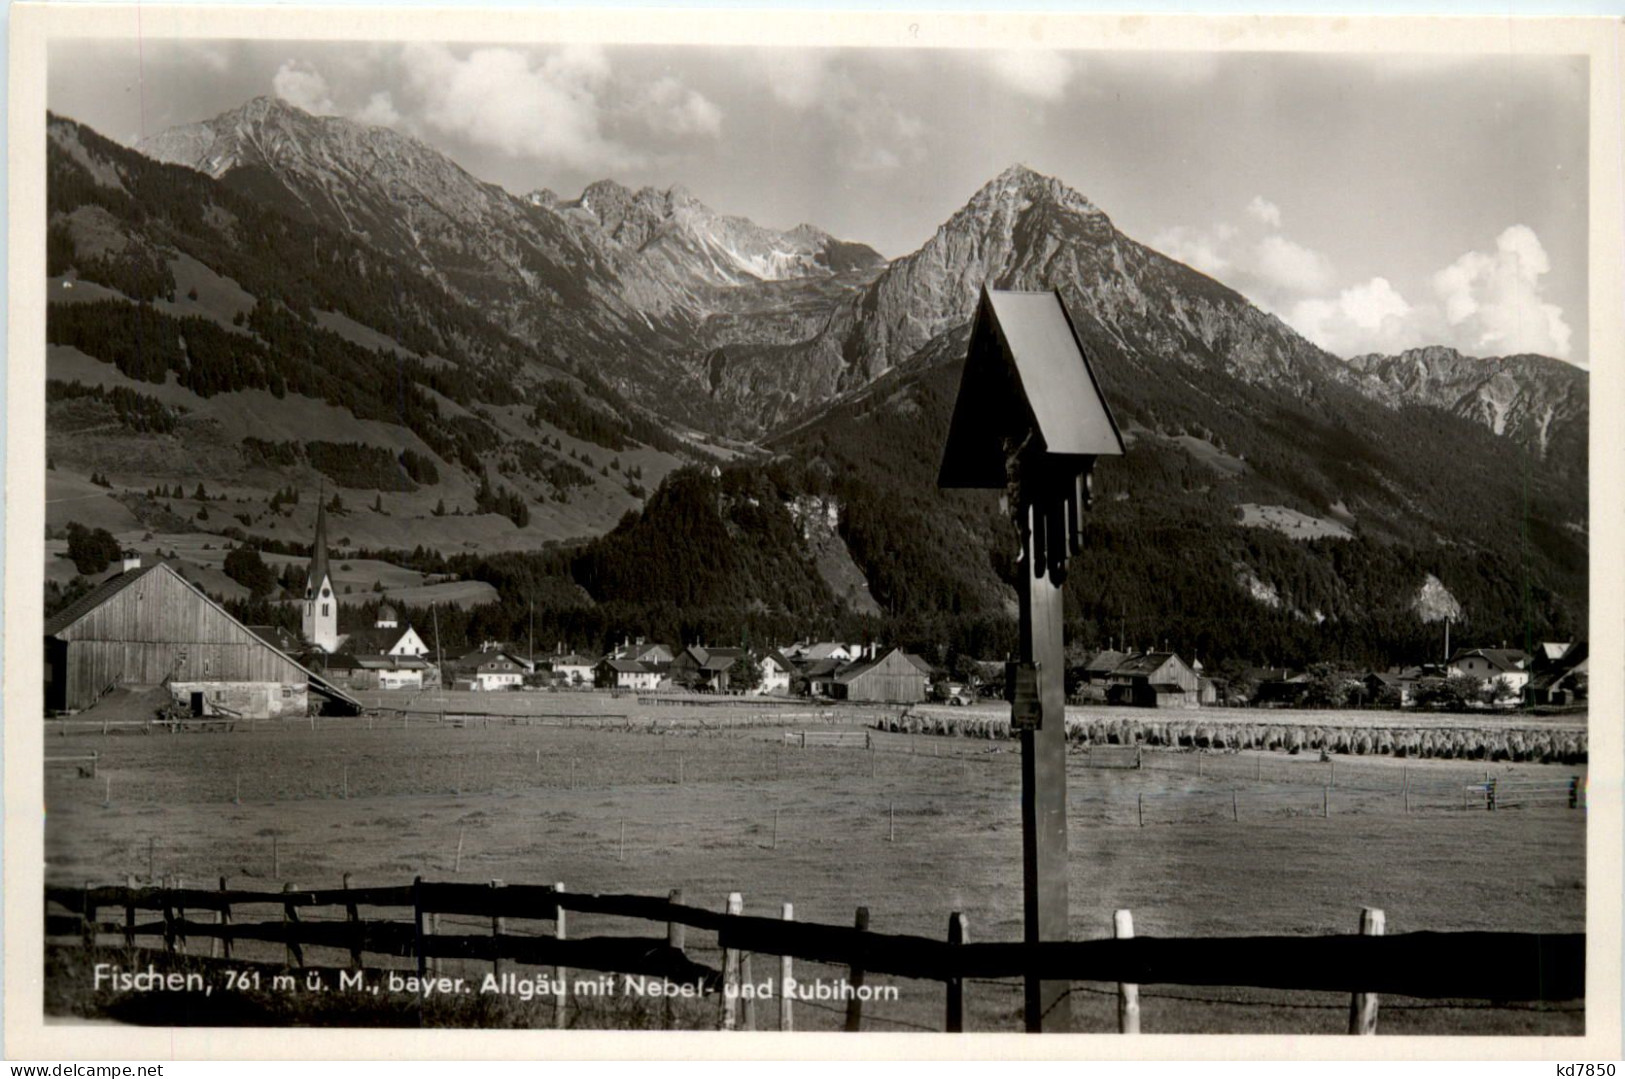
(321, 620)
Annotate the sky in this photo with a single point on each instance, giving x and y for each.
(1373, 202)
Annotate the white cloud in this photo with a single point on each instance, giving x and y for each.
(1493, 302)
(799, 78)
(872, 133)
(379, 111)
(1371, 317)
(502, 99)
(1265, 210)
(1290, 267)
(303, 86)
(674, 107)
(1199, 250)
(1036, 73)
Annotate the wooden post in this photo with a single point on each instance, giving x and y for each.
(87, 921)
(1363, 1006)
(167, 898)
(775, 830)
(1407, 798)
(1043, 772)
(891, 822)
(854, 978)
(225, 923)
(1141, 803)
(1258, 768)
(675, 940)
(748, 1022)
(290, 920)
(730, 970)
(457, 862)
(954, 1023)
(561, 974)
(420, 926)
(129, 910)
(499, 927)
(435, 964)
(1325, 801)
(1235, 810)
(1574, 793)
(1333, 781)
(787, 982)
(180, 915)
(353, 916)
(1128, 993)
(1489, 795)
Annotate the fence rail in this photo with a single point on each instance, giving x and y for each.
(1470, 965)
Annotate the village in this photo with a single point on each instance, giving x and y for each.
(147, 629)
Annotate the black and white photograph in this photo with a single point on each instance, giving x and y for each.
(941, 524)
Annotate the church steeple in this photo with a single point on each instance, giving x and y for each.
(321, 615)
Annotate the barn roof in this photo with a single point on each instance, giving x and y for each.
(97, 596)
(626, 666)
(1026, 372)
(1104, 662)
(863, 667)
(1144, 664)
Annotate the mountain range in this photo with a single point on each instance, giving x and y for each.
(538, 337)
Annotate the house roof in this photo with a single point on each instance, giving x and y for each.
(1145, 663)
(821, 668)
(777, 657)
(1026, 372)
(625, 666)
(1502, 659)
(918, 661)
(276, 637)
(1104, 662)
(824, 650)
(573, 659)
(374, 640)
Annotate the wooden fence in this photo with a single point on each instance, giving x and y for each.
(1499, 967)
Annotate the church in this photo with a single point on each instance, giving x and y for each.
(388, 655)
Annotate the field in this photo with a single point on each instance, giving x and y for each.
(712, 800)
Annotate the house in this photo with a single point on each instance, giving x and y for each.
(626, 674)
(1277, 686)
(777, 673)
(498, 671)
(1562, 682)
(1398, 686)
(818, 677)
(377, 671)
(705, 669)
(573, 668)
(1489, 664)
(894, 678)
(828, 650)
(149, 626)
(650, 654)
(1155, 680)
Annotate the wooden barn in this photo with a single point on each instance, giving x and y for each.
(894, 678)
(150, 627)
(1155, 680)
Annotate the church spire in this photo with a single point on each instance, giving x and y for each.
(318, 554)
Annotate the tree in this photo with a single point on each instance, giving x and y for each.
(746, 673)
(91, 549)
(245, 566)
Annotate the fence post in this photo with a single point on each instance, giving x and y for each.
(561, 974)
(129, 910)
(87, 921)
(290, 922)
(1489, 795)
(419, 925)
(1363, 1006)
(787, 982)
(225, 923)
(748, 994)
(854, 1007)
(1141, 804)
(1325, 801)
(353, 916)
(1235, 809)
(499, 926)
(954, 1022)
(730, 970)
(891, 822)
(1574, 793)
(167, 898)
(675, 940)
(1128, 993)
(775, 830)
